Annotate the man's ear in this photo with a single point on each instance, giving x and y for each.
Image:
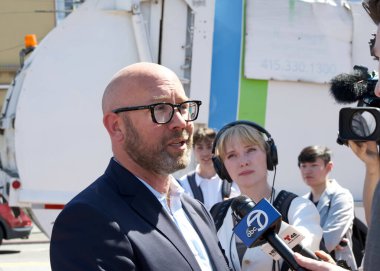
(114, 125)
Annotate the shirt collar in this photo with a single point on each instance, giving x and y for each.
(175, 189)
(199, 180)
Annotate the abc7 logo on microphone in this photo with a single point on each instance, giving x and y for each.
(257, 221)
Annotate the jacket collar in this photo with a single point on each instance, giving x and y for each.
(143, 202)
(327, 194)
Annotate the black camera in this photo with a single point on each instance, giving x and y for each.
(357, 123)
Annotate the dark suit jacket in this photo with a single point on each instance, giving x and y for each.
(118, 224)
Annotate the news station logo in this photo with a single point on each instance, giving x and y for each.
(257, 221)
(289, 237)
(252, 227)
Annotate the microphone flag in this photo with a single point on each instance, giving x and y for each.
(253, 226)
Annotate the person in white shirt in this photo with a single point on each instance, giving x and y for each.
(245, 153)
(203, 183)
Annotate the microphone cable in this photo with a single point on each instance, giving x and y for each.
(271, 200)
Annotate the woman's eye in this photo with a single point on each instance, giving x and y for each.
(230, 156)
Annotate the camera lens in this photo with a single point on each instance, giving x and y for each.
(363, 123)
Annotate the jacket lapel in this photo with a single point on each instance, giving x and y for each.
(203, 230)
(324, 202)
(150, 209)
(165, 225)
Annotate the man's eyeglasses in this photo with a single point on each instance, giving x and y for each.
(163, 112)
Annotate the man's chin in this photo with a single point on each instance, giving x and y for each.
(182, 157)
(182, 163)
(176, 163)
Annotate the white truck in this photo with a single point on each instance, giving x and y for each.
(268, 61)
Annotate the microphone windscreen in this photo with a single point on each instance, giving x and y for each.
(241, 206)
(348, 88)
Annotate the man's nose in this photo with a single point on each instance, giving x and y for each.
(307, 169)
(178, 119)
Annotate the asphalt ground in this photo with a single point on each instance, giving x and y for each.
(30, 254)
(35, 237)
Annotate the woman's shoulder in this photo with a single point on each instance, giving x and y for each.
(289, 198)
(302, 204)
(219, 211)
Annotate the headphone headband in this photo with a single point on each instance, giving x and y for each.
(272, 158)
(238, 122)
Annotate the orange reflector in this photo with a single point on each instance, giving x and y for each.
(54, 206)
(16, 184)
(30, 40)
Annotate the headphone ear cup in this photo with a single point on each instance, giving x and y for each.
(269, 161)
(220, 169)
(272, 158)
(274, 155)
(218, 166)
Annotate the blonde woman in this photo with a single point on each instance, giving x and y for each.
(244, 155)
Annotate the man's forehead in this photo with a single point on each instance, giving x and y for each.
(168, 96)
(316, 160)
(156, 93)
(174, 96)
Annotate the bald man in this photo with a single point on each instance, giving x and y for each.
(136, 216)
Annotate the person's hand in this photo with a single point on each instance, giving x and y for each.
(324, 256)
(326, 263)
(366, 151)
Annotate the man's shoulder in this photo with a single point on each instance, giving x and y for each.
(97, 192)
(336, 191)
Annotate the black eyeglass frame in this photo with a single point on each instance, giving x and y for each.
(151, 108)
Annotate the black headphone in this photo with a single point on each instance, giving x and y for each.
(272, 158)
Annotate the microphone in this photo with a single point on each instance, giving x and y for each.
(260, 223)
(348, 88)
(292, 238)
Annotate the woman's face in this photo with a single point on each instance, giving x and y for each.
(245, 163)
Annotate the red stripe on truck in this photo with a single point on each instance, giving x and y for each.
(54, 206)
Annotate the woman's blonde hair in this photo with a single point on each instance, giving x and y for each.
(245, 133)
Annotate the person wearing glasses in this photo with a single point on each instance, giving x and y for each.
(136, 216)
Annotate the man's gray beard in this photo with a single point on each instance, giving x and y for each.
(157, 160)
